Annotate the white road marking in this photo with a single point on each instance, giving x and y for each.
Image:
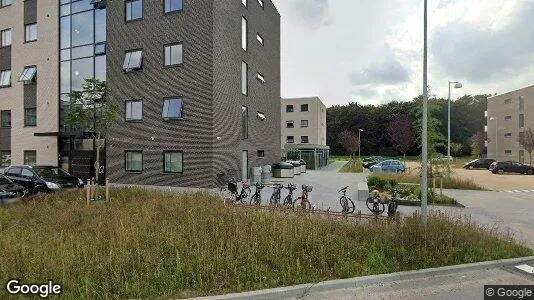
(517, 191)
(526, 268)
(526, 191)
(509, 191)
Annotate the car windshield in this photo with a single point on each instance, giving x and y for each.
(4, 180)
(51, 172)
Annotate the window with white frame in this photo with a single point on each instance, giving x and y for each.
(5, 78)
(134, 110)
(5, 38)
(173, 55)
(30, 33)
(133, 60)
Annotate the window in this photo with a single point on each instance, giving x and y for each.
(304, 139)
(5, 158)
(133, 60)
(133, 161)
(521, 103)
(173, 55)
(260, 116)
(100, 49)
(290, 139)
(261, 153)
(5, 78)
(289, 108)
(5, 38)
(304, 107)
(260, 78)
(521, 120)
(508, 117)
(30, 157)
(173, 162)
(134, 10)
(30, 116)
(507, 151)
(5, 3)
(244, 2)
(134, 110)
(173, 5)
(303, 123)
(259, 38)
(290, 124)
(244, 78)
(507, 101)
(261, 3)
(172, 108)
(508, 134)
(5, 119)
(244, 33)
(244, 122)
(31, 33)
(28, 74)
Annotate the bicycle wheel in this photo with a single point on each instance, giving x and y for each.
(377, 207)
(255, 199)
(288, 201)
(229, 197)
(298, 204)
(347, 205)
(273, 200)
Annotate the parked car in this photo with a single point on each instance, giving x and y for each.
(377, 159)
(502, 167)
(10, 190)
(39, 179)
(391, 165)
(480, 163)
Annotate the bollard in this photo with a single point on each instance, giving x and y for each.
(88, 191)
(107, 189)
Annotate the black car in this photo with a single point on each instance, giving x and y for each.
(502, 167)
(481, 163)
(10, 190)
(42, 178)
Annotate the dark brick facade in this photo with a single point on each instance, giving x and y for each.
(209, 82)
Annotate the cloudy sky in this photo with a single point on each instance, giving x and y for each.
(371, 51)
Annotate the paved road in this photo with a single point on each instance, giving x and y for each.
(459, 285)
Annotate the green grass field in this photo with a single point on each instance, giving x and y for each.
(161, 245)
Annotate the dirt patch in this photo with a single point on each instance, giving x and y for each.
(490, 181)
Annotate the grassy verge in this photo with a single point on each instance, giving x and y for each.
(335, 158)
(152, 245)
(354, 166)
(448, 183)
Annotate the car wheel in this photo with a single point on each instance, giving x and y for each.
(530, 172)
(500, 171)
(470, 167)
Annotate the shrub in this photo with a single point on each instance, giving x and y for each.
(380, 183)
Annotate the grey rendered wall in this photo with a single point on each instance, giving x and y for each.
(228, 99)
(193, 81)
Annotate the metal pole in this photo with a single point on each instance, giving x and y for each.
(496, 142)
(449, 126)
(359, 144)
(424, 137)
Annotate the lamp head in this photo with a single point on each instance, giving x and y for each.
(458, 85)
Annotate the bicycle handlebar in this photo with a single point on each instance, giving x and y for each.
(343, 189)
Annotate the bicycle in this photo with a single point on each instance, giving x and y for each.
(256, 198)
(374, 204)
(275, 197)
(304, 202)
(233, 195)
(347, 205)
(288, 200)
(393, 203)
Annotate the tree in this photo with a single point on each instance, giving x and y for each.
(89, 110)
(456, 148)
(401, 134)
(526, 139)
(477, 144)
(350, 142)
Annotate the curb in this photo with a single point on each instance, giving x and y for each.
(304, 289)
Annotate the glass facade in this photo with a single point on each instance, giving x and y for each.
(82, 56)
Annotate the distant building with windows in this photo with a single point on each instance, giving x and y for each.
(197, 84)
(303, 126)
(508, 116)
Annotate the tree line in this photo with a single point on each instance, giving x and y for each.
(394, 128)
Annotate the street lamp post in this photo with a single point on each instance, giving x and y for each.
(424, 134)
(457, 85)
(359, 143)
